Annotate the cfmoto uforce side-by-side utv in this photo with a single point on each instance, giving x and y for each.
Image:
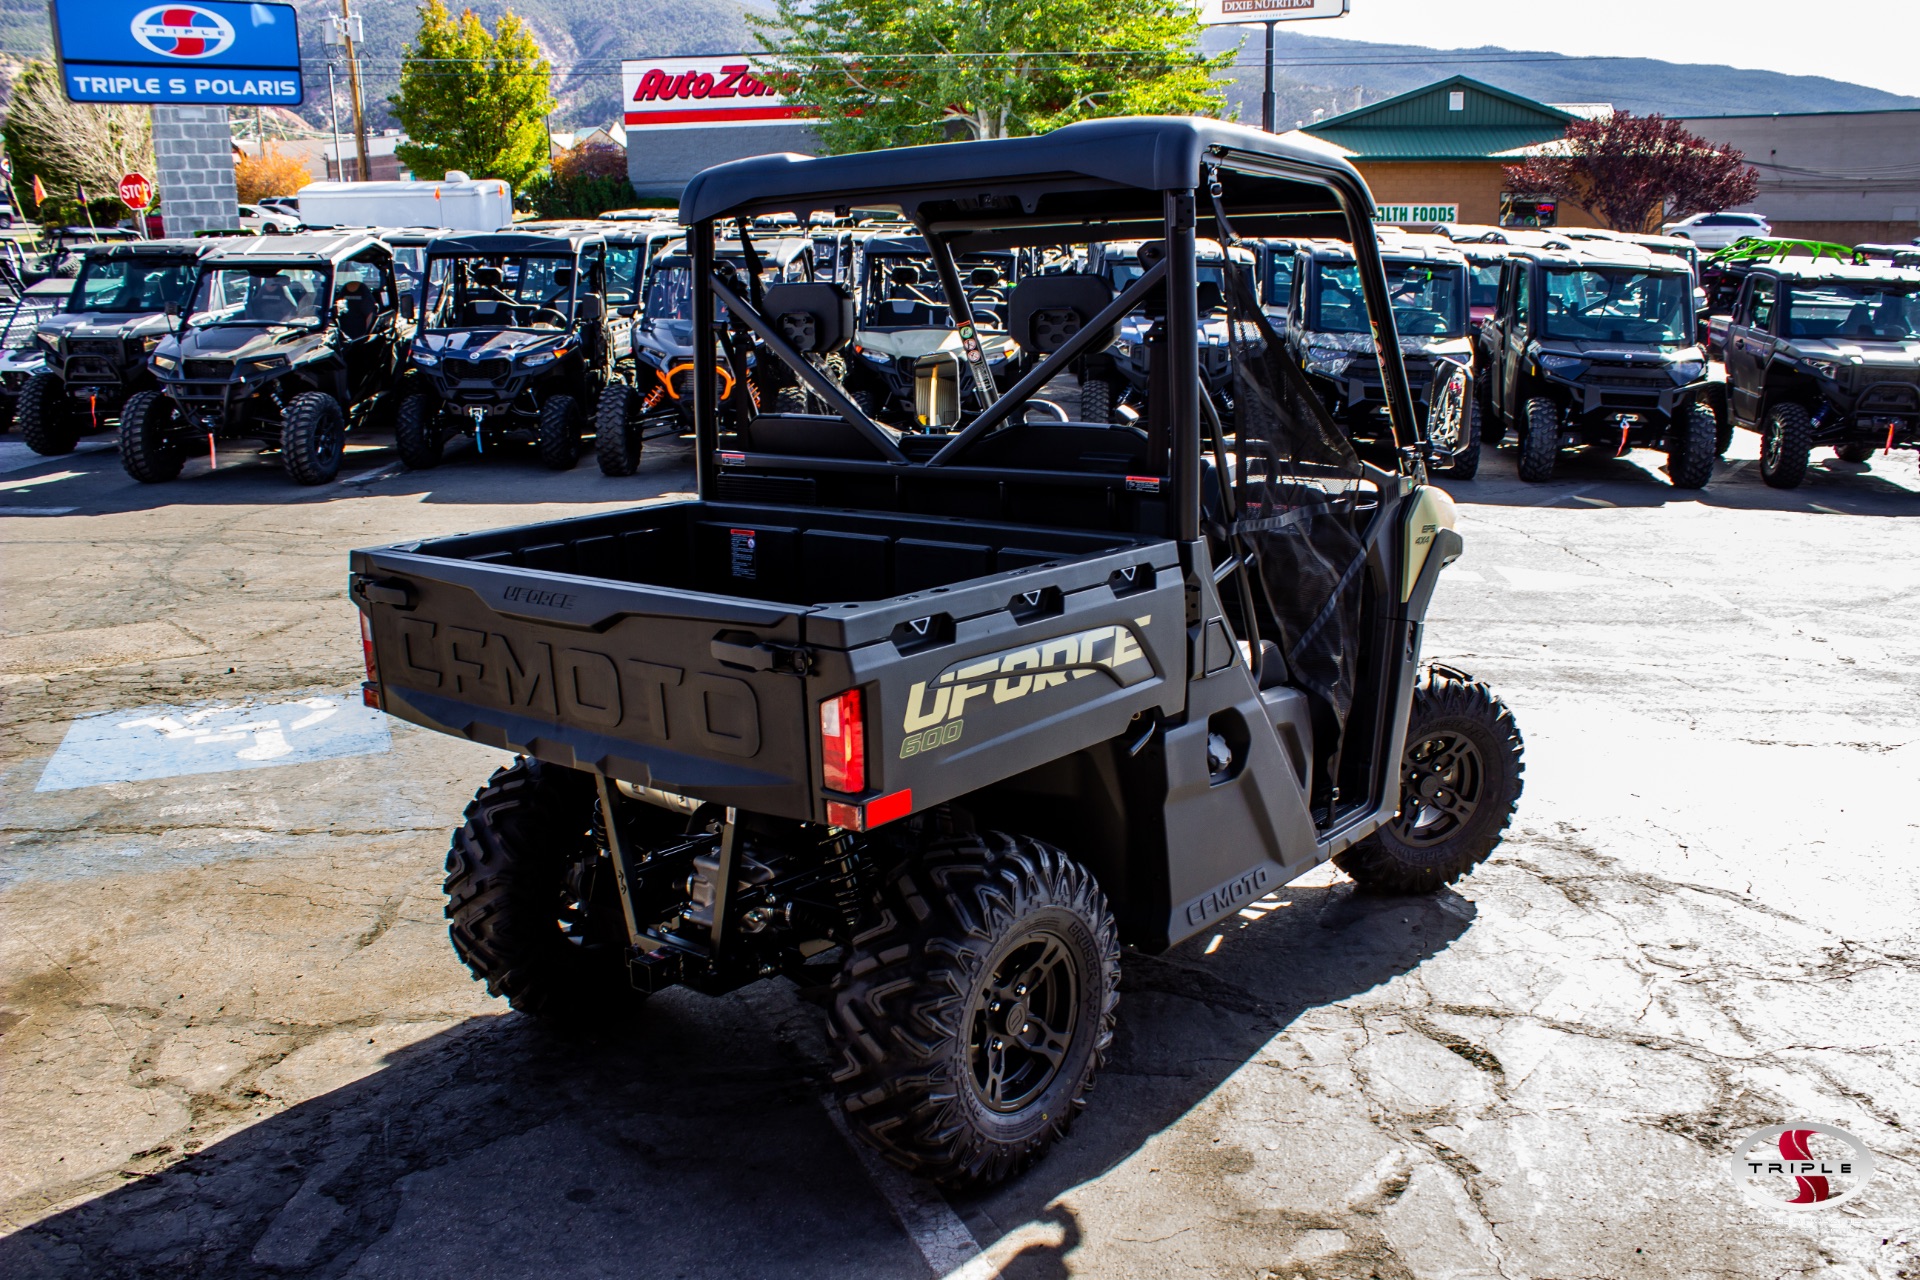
(1329, 333)
(1595, 347)
(1821, 353)
(512, 343)
(1119, 378)
(290, 340)
(96, 345)
(955, 717)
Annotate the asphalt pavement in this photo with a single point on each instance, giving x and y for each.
(234, 1040)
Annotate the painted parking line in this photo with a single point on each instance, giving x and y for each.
(37, 511)
(172, 742)
(11, 486)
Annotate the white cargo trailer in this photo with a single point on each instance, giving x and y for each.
(456, 202)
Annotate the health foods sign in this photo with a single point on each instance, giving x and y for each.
(210, 53)
(1417, 213)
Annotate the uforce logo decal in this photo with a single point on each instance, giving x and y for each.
(1014, 673)
(182, 31)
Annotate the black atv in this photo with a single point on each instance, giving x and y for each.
(1595, 347)
(290, 340)
(96, 345)
(513, 345)
(935, 724)
(1823, 353)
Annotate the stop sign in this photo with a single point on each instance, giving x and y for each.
(136, 191)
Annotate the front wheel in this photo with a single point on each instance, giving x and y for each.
(972, 1016)
(616, 430)
(150, 448)
(560, 433)
(47, 421)
(1466, 462)
(1460, 780)
(1539, 441)
(1690, 451)
(1785, 446)
(532, 901)
(1097, 398)
(416, 432)
(313, 437)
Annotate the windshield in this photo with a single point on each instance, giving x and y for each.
(1279, 283)
(129, 286)
(1861, 310)
(1121, 272)
(1428, 299)
(1617, 304)
(902, 291)
(260, 293)
(500, 291)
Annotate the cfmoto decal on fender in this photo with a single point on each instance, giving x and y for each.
(1014, 673)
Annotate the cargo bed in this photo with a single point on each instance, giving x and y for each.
(684, 646)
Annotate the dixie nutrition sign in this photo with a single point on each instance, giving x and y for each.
(205, 53)
(702, 92)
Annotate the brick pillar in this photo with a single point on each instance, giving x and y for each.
(193, 151)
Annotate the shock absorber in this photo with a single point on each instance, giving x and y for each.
(845, 867)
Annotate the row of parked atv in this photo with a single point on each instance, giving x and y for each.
(540, 336)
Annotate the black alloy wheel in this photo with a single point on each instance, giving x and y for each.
(1022, 1022)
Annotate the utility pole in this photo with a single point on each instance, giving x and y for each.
(347, 20)
(1266, 99)
(333, 116)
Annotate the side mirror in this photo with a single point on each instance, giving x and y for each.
(1448, 412)
(406, 306)
(173, 310)
(593, 308)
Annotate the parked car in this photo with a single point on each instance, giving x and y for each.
(1594, 347)
(1718, 230)
(1822, 353)
(268, 222)
(290, 340)
(936, 724)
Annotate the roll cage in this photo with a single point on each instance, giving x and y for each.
(1155, 178)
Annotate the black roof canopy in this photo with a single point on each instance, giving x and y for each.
(492, 243)
(1101, 179)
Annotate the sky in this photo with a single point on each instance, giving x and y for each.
(1870, 42)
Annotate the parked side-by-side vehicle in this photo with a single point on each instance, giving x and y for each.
(939, 721)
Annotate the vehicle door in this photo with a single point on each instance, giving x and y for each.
(623, 295)
(1750, 345)
(364, 324)
(1512, 334)
(593, 283)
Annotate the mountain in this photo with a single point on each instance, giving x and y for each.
(1315, 73)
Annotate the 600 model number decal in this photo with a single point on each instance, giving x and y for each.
(1013, 674)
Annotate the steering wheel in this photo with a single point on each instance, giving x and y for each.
(559, 321)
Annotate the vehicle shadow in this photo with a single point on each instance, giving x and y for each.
(1596, 478)
(692, 1144)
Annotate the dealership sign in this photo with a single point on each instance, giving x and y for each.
(703, 92)
(1225, 13)
(1416, 213)
(205, 53)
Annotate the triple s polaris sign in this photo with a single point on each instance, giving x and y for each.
(209, 52)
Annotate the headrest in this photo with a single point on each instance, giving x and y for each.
(487, 277)
(563, 277)
(1208, 297)
(816, 318)
(1045, 311)
(908, 274)
(984, 277)
(352, 287)
(273, 284)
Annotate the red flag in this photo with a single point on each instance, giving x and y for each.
(39, 192)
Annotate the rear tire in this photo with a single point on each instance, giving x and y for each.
(945, 1070)
(1690, 451)
(560, 433)
(1854, 451)
(47, 421)
(416, 432)
(1096, 399)
(616, 430)
(1786, 442)
(533, 906)
(1540, 441)
(1461, 776)
(149, 441)
(313, 437)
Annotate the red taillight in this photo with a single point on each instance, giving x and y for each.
(370, 690)
(874, 813)
(843, 743)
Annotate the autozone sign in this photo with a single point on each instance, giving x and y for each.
(702, 92)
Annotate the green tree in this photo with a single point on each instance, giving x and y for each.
(883, 73)
(67, 144)
(473, 100)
